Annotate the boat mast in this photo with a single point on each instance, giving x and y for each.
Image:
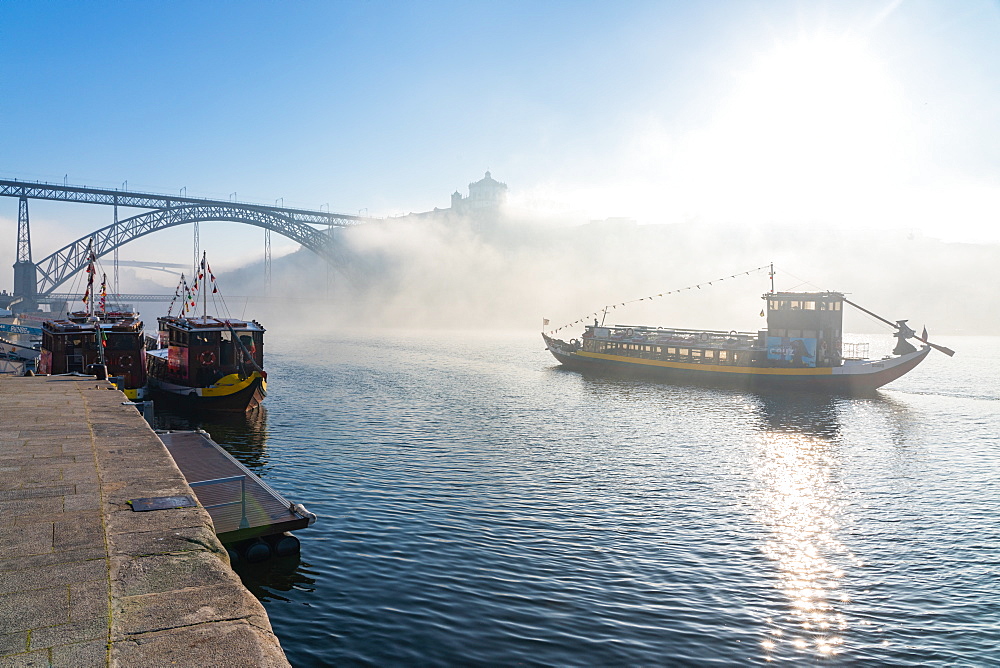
(91, 318)
(90, 279)
(771, 274)
(204, 292)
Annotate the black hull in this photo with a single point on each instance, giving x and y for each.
(237, 402)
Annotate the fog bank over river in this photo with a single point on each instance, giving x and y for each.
(448, 272)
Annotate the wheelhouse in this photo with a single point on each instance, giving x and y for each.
(805, 328)
(200, 351)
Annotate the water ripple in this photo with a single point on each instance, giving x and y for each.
(480, 506)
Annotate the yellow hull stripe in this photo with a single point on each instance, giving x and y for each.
(719, 368)
(231, 384)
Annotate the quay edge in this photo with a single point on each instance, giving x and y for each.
(84, 579)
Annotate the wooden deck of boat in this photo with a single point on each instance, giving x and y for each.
(242, 505)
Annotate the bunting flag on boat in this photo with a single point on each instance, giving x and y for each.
(104, 291)
(91, 259)
(697, 286)
(181, 284)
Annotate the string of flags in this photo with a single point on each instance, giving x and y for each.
(104, 291)
(189, 294)
(91, 259)
(181, 287)
(698, 286)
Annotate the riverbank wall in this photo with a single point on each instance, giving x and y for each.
(86, 580)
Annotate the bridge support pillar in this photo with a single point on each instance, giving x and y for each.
(25, 286)
(25, 272)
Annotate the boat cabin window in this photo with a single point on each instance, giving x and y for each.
(123, 342)
(723, 355)
(710, 354)
(227, 336)
(201, 339)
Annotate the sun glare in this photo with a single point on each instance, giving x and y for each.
(817, 124)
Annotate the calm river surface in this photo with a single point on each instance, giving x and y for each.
(481, 506)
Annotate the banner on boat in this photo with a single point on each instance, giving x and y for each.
(797, 351)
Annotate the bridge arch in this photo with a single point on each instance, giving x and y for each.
(58, 267)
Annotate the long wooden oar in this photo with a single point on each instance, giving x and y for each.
(947, 351)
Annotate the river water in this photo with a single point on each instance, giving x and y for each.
(480, 505)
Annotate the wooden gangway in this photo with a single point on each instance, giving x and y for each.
(242, 505)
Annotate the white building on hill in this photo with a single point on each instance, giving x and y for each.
(485, 195)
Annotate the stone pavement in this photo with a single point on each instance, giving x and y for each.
(85, 580)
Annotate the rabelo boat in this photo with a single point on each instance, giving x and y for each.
(97, 341)
(801, 349)
(206, 362)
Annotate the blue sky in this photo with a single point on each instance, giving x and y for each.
(854, 114)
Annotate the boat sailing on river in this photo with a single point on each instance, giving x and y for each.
(205, 362)
(801, 349)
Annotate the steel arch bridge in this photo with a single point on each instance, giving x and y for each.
(61, 265)
(32, 280)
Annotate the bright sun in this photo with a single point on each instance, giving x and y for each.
(816, 124)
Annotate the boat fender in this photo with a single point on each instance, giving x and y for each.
(629, 332)
(301, 510)
(207, 358)
(257, 552)
(284, 544)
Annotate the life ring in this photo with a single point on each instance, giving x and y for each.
(207, 358)
(629, 332)
(125, 360)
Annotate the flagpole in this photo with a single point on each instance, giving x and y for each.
(90, 278)
(204, 292)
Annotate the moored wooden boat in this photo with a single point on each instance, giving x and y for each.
(101, 341)
(205, 362)
(209, 363)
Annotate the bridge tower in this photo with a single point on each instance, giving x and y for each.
(25, 272)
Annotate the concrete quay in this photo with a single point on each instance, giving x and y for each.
(84, 579)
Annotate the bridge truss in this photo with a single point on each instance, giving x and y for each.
(168, 211)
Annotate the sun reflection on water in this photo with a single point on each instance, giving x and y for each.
(800, 504)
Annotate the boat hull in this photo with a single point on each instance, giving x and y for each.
(860, 377)
(239, 396)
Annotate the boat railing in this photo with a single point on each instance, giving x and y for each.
(664, 335)
(241, 501)
(855, 351)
